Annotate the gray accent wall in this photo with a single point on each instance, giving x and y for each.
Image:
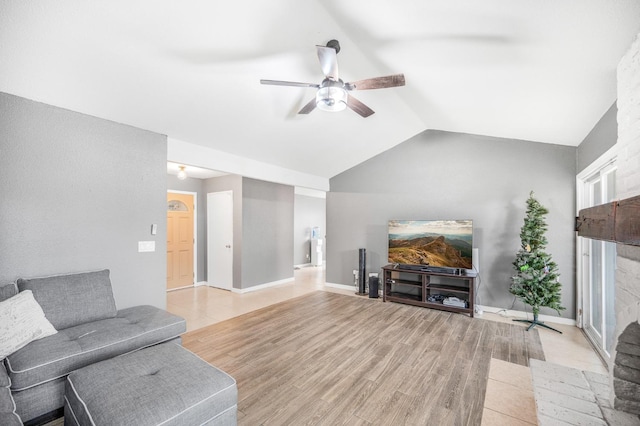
(442, 175)
(78, 193)
(603, 137)
(267, 235)
(309, 212)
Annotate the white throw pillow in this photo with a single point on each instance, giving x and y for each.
(21, 322)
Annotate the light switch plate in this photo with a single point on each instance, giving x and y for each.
(146, 246)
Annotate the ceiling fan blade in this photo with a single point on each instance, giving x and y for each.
(359, 107)
(308, 107)
(288, 83)
(377, 82)
(328, 61)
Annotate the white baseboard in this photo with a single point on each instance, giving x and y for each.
(200, 283)
(261, 286)
(341, 286)
(306, 265)
(526, 315)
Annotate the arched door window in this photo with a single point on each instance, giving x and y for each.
(177, 206)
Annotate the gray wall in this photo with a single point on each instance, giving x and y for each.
(195, 185)
(78, 193)
(440, 175)
(603, 136)
(267, 222)
(309, 212)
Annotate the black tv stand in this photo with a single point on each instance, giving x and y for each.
(428, 288)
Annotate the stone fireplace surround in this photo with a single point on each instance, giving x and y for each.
(624, 370)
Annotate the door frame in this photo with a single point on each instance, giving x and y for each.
(583, 200)
(209, 239)
(609, 157)
(195, 232)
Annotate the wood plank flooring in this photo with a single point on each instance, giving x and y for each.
(330, 359)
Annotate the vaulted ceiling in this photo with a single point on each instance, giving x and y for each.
(538, 70)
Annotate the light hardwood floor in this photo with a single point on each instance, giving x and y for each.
(507, 398)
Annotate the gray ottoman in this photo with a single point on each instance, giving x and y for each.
(160, 385)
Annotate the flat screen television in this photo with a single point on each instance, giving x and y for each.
(442, 243)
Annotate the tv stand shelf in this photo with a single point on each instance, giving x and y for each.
(416, 287)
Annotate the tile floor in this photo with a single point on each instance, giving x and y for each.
(509, 399)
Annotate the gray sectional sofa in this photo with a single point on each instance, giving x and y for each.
(89, 328)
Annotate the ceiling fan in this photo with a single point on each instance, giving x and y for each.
(332, 92)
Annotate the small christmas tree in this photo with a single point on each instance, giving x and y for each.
(536, 279)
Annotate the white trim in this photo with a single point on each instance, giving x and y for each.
(302, 265)
(527, 315)
(200, 284)
(195, 230)
(180, 288)
(261, 286)
(341, 286)
(609, 157)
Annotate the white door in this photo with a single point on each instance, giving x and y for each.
(220, 239)
(598, 267)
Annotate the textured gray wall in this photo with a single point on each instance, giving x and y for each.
(229, 183)
(78, 193)
(603, 136)
(440, 175)
(309, 212)
(195, 185)
(267, 222)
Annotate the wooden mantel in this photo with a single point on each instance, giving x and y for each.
(618, 221)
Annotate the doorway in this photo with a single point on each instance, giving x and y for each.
(598, 264)
(180, 240)
(220, 239)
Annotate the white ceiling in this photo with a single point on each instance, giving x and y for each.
(539, 70)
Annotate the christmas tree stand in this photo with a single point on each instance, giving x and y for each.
(536, 322)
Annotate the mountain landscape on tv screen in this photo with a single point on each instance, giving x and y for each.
(452, 251)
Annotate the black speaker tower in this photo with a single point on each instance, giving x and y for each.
(362, 271)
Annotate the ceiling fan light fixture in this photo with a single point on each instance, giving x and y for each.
(331, 98)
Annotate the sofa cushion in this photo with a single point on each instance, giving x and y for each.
(7, 291)
(8, 415)
(69, 300)
(21, 322)
(75, 347)
(163, 385)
